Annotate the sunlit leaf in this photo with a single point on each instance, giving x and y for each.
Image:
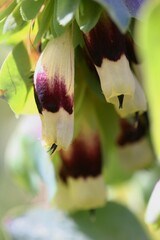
(30, 8)
(44, 21)
(14, 21)
(6, 11)
(13, 38)
(148, 38)
(88, 15)
(16, 81)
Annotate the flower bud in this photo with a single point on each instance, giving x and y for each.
(54, 91)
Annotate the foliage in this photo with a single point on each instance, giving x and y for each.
(129, 141)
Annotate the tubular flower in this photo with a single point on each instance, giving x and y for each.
(134, 150)
(81, 185)
(111, 55)
(54, 92)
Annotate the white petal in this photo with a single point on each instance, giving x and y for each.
(57, 128)
(116, 79)
(153, 208)
(62, 198)
(87, 193)
(137, 103)
(136, 155)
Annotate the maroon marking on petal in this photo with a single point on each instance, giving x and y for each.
(39, 106)
(131, 133)
(83, 159)
(54, 96)
(130, 51)
(105, 41)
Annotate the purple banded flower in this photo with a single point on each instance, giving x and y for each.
(81, 185)
(111, 52)
(54, 91)
(132, 132)
(133, 147)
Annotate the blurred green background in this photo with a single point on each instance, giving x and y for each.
(10, 194)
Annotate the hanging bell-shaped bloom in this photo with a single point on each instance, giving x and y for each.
(109, 52)
(133, 148)
(81, 184)
(54, 91)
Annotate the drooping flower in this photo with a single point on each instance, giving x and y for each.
(80, 184)
(133, 148)
(111, 53)
(54, 91)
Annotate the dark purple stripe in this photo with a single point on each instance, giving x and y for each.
(82, 160)
(39, 106)
(105, 41)
(130, 49)
(131, 133)
(53, 97)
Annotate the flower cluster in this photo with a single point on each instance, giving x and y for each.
(111, 54)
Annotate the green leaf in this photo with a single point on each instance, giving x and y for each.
(77, 36)
(57, 29)
(66, 10)
(13, 38)
(44, 21)
(148, 37)
(14, 21)
(88, 72)
(7, 10)
(87, 15)
(107, 121)
(112, 222)
(29, 8)
(16, 82)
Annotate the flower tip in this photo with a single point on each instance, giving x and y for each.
(52, 149)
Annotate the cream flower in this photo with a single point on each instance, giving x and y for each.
(133, 104)
(111, 53)
(54, 91)
(81, 193)
(80, 181)
(117, 81)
